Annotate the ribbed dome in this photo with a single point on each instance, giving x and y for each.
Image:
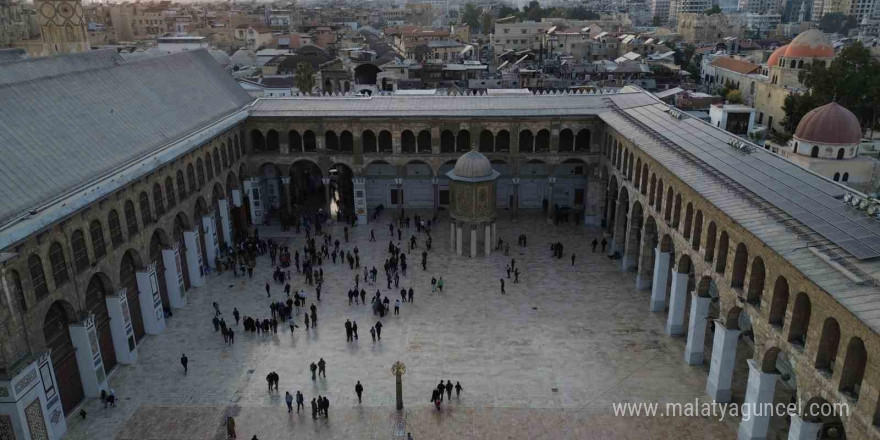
(829, 124)
(773, 61)
(473, 164)
(811, 43)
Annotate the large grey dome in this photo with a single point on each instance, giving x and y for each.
(473, 164)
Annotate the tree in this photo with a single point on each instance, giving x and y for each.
(304, 78)
(851, 79)
(837, 23)
(506, 11)
(734, 97)
(533, 11)
(715, 9)
(795, 107)
(471, 16)
(486, 23)
(656, 21)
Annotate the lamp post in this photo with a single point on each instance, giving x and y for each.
(398, 370)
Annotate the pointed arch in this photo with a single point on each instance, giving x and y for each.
(779, 302)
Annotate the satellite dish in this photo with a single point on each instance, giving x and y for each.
(854, 201)
(863, 204)
(872, 210)
(847, 197)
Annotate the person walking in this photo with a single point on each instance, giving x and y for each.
(440, 284)
(458, 389)
(379, 330)
(440, 389)
(410, 294)
(433, 284)
(230, 428)
(516, 276)
(354, 329)
(314, 409)
(502, 284)
(373, 333)
(508, 271)
(348, 334)
(594, 244)
(230, 335)
(299, 401)
(184, 361)
(314, 368)
(326, 407)
(449, 389)
(604, 243)
(235, 315)
(396, 306)
(267, 291)
(289, 400)
(359, 390)
(322, 368)
(572, 259)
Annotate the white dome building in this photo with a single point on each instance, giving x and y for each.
(472, 194)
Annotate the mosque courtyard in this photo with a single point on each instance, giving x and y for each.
(545, 360)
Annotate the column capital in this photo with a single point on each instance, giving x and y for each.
(552, 180)
(285, 180)
(435, 180)
(515, 180)
(398, 180)
(325, 180)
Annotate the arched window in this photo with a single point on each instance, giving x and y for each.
(424, 142)
(208, 168)
(18, 290)
(217, 167)
(369, 142)
(526, 142)
(258, 143)
(237, 149)
(582, 141)
(839, 153)
(836, 177)
(223, 152)
(181, 186)
(463, 141)
(845, 177)
(447, 142)
(295, 141)
(853, 368)
(407, 142)
(310, 143)
(800, 320)
(698, 231)
(96, 232)
(38, 278)
(80, 254)
(146, 216)
(740, 262)
(814, 152)
(130, 219)
(346, 142)
(385, 143)
(502, 141)
(273, 143)
(115, 228)
(828, 345)
(331, 141)
(159, 200)
(756, 282)
(542, 141)
(169, 192)
(191, 178)
(779, 303)
(200, 172)
(58, 264)
(676, 213)
(566, 141)
(487, 141)
(723, 245)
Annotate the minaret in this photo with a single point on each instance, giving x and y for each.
(62, 26)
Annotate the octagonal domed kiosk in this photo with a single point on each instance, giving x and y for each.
(472, 194)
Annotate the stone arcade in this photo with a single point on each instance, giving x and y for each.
(152, 182)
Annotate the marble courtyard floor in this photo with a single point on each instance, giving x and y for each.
(544, 361)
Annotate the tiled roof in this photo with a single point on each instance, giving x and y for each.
(738, 66)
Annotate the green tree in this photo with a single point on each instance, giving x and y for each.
(851, 79)
(506, 11)
(471, 16)
(304, 78)
(715, 9)
(656, 21)
(837, 23)
(533, 11)
(734, 97)
(486, 23)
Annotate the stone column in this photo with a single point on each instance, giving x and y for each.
(284, 142)
(658, 284)
(494, 232)
(721, 365)
(151, 302)
(210, 236)
(677, 303)
(225, 222)
(327, 194)
(473, 241)
(194, 258)
(285, 194)
(488, 242)
(452, 234)
(630, 248)
(121, 329)
(436, 192)
(515, 208)
(398, 181)
(759, 393)
(551, 181)
(88, 356)
(693, 351)
(360, 200)
(174, 278)
(459, 246)
(803, 430)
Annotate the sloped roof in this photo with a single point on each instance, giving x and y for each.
(68, 120)
(738, 66)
